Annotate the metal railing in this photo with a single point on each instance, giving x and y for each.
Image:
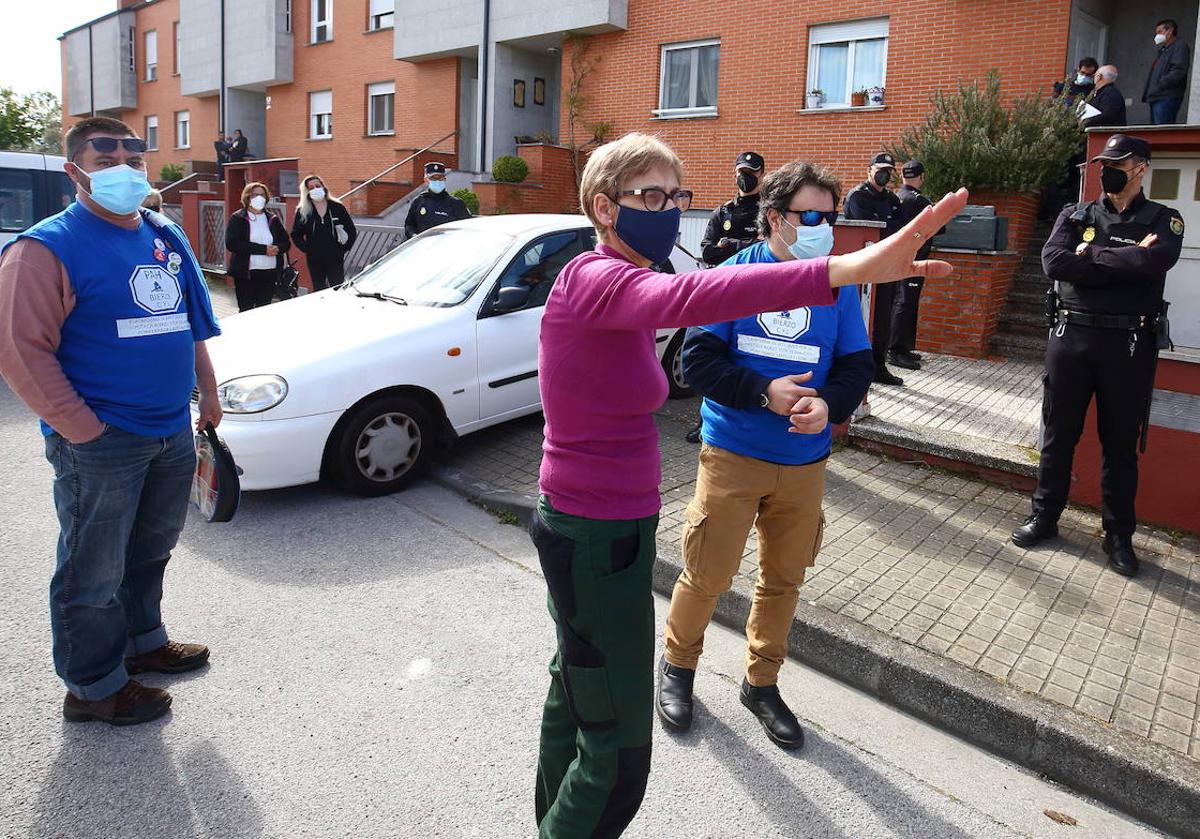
(395, 166)
(174, 212)
(212, 235)
(374, 242)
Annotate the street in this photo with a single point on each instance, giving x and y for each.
(378, 667)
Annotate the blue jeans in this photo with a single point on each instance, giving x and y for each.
(122, 500)
(1165, 111)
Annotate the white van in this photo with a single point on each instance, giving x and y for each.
(32, 187)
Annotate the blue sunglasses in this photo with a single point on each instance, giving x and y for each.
(811, 218)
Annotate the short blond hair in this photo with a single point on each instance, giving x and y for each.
(612, 163)
(250, 187)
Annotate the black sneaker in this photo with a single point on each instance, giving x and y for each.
(904, 359)
(884, 376)
(1037, 528)
(674, 700)
(693, 436)
(773, 713)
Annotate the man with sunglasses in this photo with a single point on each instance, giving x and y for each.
(103, 317)
(772, 384)
(1109, 260)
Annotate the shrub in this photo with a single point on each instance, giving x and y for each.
(510, 169)
(972, 139)
(171, 172)
(469, 198)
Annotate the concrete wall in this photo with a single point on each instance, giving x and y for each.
(258, 52)
(247, 110)
(200, 32)
(468, 114)
(509, 121)
(77, 92)
(108, 73)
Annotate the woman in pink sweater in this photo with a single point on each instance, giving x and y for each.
(598, 511)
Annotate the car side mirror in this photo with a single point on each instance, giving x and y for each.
(512, 298)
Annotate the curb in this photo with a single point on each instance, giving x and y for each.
(1148, 781)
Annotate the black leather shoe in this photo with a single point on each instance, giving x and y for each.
(674, 701)
(884, 376)
(1035, 529)
(693, 436)
(777, 719)
(905, 359)
(1120, 554)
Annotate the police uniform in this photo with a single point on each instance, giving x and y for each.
(735, 220)
(1102, 342)
(908, 295)
(433, 208)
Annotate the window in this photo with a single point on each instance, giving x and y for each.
(183, 130)
(383, 14)
(178, 48)
(381, 105)
(845, 57)
(320, 114)
(287, 16)
(132, 50)
(322, 21)
(537, 268)
(16, 199)
(151, 55)
(688, 83)
(152, 132)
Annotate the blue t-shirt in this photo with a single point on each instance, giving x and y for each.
(778, 344)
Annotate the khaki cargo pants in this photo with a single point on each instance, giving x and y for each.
(734, 492)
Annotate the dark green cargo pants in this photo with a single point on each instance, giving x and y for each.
(594, 757)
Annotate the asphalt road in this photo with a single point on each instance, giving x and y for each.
(377, 671)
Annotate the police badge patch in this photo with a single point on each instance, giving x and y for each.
(1089, 234)
(728, 224)
(1177, 226)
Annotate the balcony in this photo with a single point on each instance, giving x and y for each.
(100, 65)
(258, 45)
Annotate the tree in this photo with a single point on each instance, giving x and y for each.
(30, 122)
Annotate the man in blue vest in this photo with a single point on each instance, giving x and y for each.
(103, 317)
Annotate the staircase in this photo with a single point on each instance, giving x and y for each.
(1021, 332)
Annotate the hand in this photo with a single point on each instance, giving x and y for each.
(1081, 247)
(272, 250)
(210, 411)
(1148, 241)
(809, 416)
(894, 257)
(723, 242)
(783, 393)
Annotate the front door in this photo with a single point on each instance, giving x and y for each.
(1089, 37)
(1175, 181)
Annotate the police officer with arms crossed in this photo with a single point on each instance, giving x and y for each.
(734, 225)
(908, 296)
(1109, 260)
(435, 206)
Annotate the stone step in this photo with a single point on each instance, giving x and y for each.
(1025, 347)
(1022, 321)
(947, 448)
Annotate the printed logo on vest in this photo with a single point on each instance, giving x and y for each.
(155, 289)
(788, 325)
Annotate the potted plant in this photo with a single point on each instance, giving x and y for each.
(814, 98)
(875, 95)
(858, 98)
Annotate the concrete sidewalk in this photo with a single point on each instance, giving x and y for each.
(919, 597)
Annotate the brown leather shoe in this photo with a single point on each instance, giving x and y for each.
(171, 657)
(134, 703)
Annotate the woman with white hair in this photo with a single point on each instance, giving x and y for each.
(325, 232)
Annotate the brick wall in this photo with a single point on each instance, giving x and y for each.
(551, 167)
(959, 314)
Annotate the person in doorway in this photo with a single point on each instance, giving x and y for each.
(763, 376)
(221, 147)
(1109, 260)
(153, 201)
(103, 317)
(258, 241)
(239, 147)
(908, 296)
(595, 522)
(1082, 85)
(873, 201)
(1169, 74)
(435, 206)
(1107, 99)
(324, 231)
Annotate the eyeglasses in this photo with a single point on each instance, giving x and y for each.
(811, 218)
(108, 145)
(656, 200)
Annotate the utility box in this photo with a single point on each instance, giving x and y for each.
(976, 228)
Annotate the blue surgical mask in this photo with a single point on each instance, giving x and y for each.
(1081, 79)
(811, 242)
(437, 186)
(653, 235)
(119, 189)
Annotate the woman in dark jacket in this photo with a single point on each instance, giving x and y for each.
(325, 232)
(258, 241)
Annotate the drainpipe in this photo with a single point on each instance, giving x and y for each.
(91, 75)
(221, 104)
(485, 58)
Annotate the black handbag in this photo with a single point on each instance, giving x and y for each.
(216, 487)
(288, 282)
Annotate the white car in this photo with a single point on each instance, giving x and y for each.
(358, 384)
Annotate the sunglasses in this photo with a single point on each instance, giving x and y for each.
(108, 145)
(811, 218)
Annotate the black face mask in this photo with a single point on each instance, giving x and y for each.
(1113, 180)
(747, 182)
(882, 177)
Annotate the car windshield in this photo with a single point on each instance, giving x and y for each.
(440, 268)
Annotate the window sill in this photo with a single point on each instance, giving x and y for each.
(325, 139)
(380, 29)
(840, 109)
(318, 43)
(147, 81)
(182, 148)
(380, 134)
(151, 148)
(689, 113)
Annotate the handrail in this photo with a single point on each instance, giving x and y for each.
(429, 147)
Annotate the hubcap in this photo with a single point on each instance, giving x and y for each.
(677, 368)
(388, 447)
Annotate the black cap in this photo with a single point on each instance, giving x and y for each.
(435, 169)
(884, 159)
(913, 169)
(750, 160)
(1120, 146)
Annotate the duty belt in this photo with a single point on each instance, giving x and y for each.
(1098, 321)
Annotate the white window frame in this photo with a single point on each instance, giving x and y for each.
(326, 23)
(381, 14)
(287, 16)
(133, 50)
(178, 48)
(851, 32)
(679, 113)
(376, 90)
(152, 125)
(314, 116)
(151, 48)
(183, 118)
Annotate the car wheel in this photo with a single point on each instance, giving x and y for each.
(385, 446)
(672, 362)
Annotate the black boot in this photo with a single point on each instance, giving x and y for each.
(1120, 554)
(884, 376)
(905, 359)
(1037, 528)
(674, 701)
(693, 436)
(777, 719)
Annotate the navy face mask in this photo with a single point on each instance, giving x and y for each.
(652, 235)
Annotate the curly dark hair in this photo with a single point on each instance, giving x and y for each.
(779, 187)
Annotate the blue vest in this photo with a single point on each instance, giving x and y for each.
(128, 346)
(777, 344)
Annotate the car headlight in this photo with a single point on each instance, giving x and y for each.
(251, 394)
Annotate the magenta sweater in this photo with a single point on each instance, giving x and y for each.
(601, 380)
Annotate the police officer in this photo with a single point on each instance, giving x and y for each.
(734, 225)
(1109, 260)
(908, 295)
(873, 201)
(435, 206)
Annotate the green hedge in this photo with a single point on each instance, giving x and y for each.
(469, 198)
(510, 169)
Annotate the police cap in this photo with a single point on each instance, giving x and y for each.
(884, 159)
(435, 169)
(749, 160)
(1120, 146)
(913, 169)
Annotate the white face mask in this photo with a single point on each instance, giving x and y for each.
(257, 203)
(811, 242)
(1160, 39)
(317, 194)
(1082, 79)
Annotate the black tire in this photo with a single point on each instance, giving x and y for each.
(394, 460)
(672, 364)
